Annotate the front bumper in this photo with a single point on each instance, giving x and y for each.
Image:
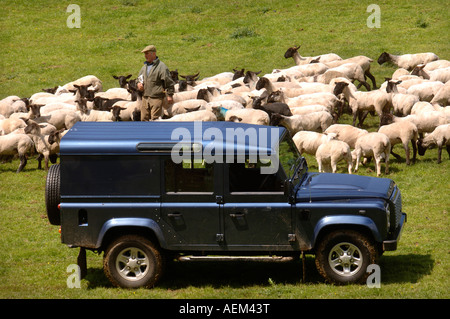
(391, 244)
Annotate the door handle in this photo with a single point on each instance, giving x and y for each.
(237, 215)
(174, 215)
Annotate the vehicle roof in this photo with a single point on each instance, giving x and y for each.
(89, 138)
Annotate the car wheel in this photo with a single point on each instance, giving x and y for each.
(342, 257)
(132, 262)
(52, 195)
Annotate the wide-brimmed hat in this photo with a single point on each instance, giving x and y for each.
(149, 48)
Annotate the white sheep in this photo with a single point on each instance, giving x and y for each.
(346, 133)
(351, 71)
(43, 146)
(438, 64)
(363, 61)
(442, 74)
(11, 124)
(245, 115)
(12, 104)
(316, 121)
(402, 103)
(440, 137)
(426, 122)
(329, 100)
(402, 132)
(292, 52)
(442, 96)
(407, 61)
(299, 110)
(87, 80)
(426, 90)
(373, 144)
(186, 106)
(16, 144)
(359, 102)
(201, 115)
(332, 152)
(308, 142)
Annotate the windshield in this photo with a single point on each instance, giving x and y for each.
(289, 156)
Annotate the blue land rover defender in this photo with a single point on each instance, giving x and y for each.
(143, 191)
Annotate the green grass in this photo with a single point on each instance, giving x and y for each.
(40, 51)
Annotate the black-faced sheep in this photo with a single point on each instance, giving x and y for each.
(16, 144)
(407, 61)
(440, 137)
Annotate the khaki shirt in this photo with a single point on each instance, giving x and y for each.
(158, 82)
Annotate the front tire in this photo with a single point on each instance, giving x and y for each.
(133, 262)
(342, 257)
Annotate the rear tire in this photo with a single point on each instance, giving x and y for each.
(342, 257)
(132, 262)
(52, 195)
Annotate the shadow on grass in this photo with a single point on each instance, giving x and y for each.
(246, 273)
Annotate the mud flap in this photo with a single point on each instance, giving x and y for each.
(82, 263)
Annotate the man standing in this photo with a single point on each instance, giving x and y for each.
(155, 83)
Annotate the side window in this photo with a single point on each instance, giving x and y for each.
(247, 177)
(188, 176)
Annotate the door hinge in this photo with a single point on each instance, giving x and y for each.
(291, 237)
(220, 238)
(219, 199)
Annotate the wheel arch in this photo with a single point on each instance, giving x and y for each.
(362, 224)
(117, 227)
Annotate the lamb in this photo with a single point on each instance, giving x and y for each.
(221, 78)
(330, 153)
(346, 133)
(376, 100)
(442, 75)
(402, 132)
(407, 61)
(292, 52)
(115, 93)
(308, 142)
(439, 137)
(41, 142)
(373, 144)
(299, 71)
(317, 121)
(16, 144)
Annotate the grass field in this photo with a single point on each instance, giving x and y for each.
(40, 51)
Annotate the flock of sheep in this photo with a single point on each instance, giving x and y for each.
(308, 99)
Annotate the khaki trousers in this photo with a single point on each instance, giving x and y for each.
(151, 109)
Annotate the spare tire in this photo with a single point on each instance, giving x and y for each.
(52, 195)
